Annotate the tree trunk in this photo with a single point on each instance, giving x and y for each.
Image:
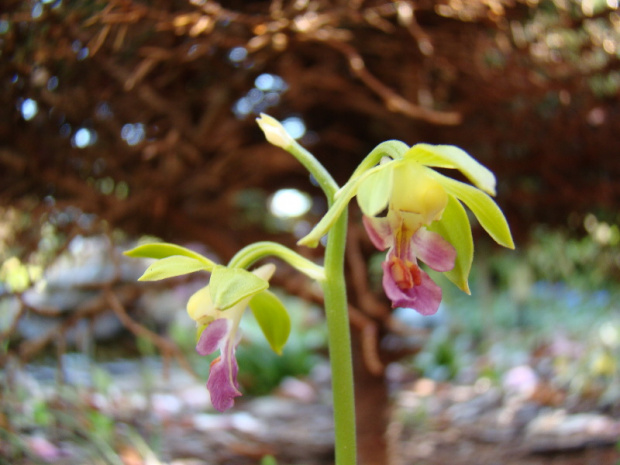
(372, 407)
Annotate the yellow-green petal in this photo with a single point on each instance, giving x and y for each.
(169, 267)
(229, 286)
(394, 149)
(161, 250)
(200, 305)
(374, 191)
(344, 195)
(484, 208)
(454, 227)
(416, 191)
(272, 318)
(450, 156)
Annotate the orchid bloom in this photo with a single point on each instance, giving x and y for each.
(416, 200)
(218, 307)
(217, 310)
(425, 218)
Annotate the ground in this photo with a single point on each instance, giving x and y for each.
(132, 413)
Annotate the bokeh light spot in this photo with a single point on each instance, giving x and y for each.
(289, 203)
(294, 126)
(29, 109)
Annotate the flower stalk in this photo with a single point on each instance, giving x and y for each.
(335, 297)
(254, 252)
(339, 341)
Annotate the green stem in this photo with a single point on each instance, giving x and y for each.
(337, 315)
(322, 176)
(254, 252)
(336, 308)
(339, 340)
(332, 279)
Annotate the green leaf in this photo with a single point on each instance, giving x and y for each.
(172, 266)
(374, 191)
(272, 318)
(449, 156)
(229, 286)
(486, 210)
(454, 227)
(161, 250)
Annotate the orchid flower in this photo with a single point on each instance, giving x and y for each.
(425, 217)
(218, 307)
(217, 310)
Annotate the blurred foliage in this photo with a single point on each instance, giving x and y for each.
(565, 324)
(589, 262)
(441, 358)
(63, 416)
(553, 306)
(260, 369)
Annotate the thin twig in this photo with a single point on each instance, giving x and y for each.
(369, 332)
(90, 309)
(166, 347)
(392, 100)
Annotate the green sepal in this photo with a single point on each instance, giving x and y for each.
(228, 286)
(484, 208)
(161, 250)
(394, 149)
(272, 318)
(449, 156)
(454, 227)
(373, 193)
(169, 267)
(343, 196)
(367, 168)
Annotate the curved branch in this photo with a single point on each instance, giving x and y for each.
(392, 100)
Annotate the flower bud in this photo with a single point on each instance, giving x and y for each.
(274, 131)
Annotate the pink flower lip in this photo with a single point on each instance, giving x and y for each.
(222, 383)
(404, 283)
